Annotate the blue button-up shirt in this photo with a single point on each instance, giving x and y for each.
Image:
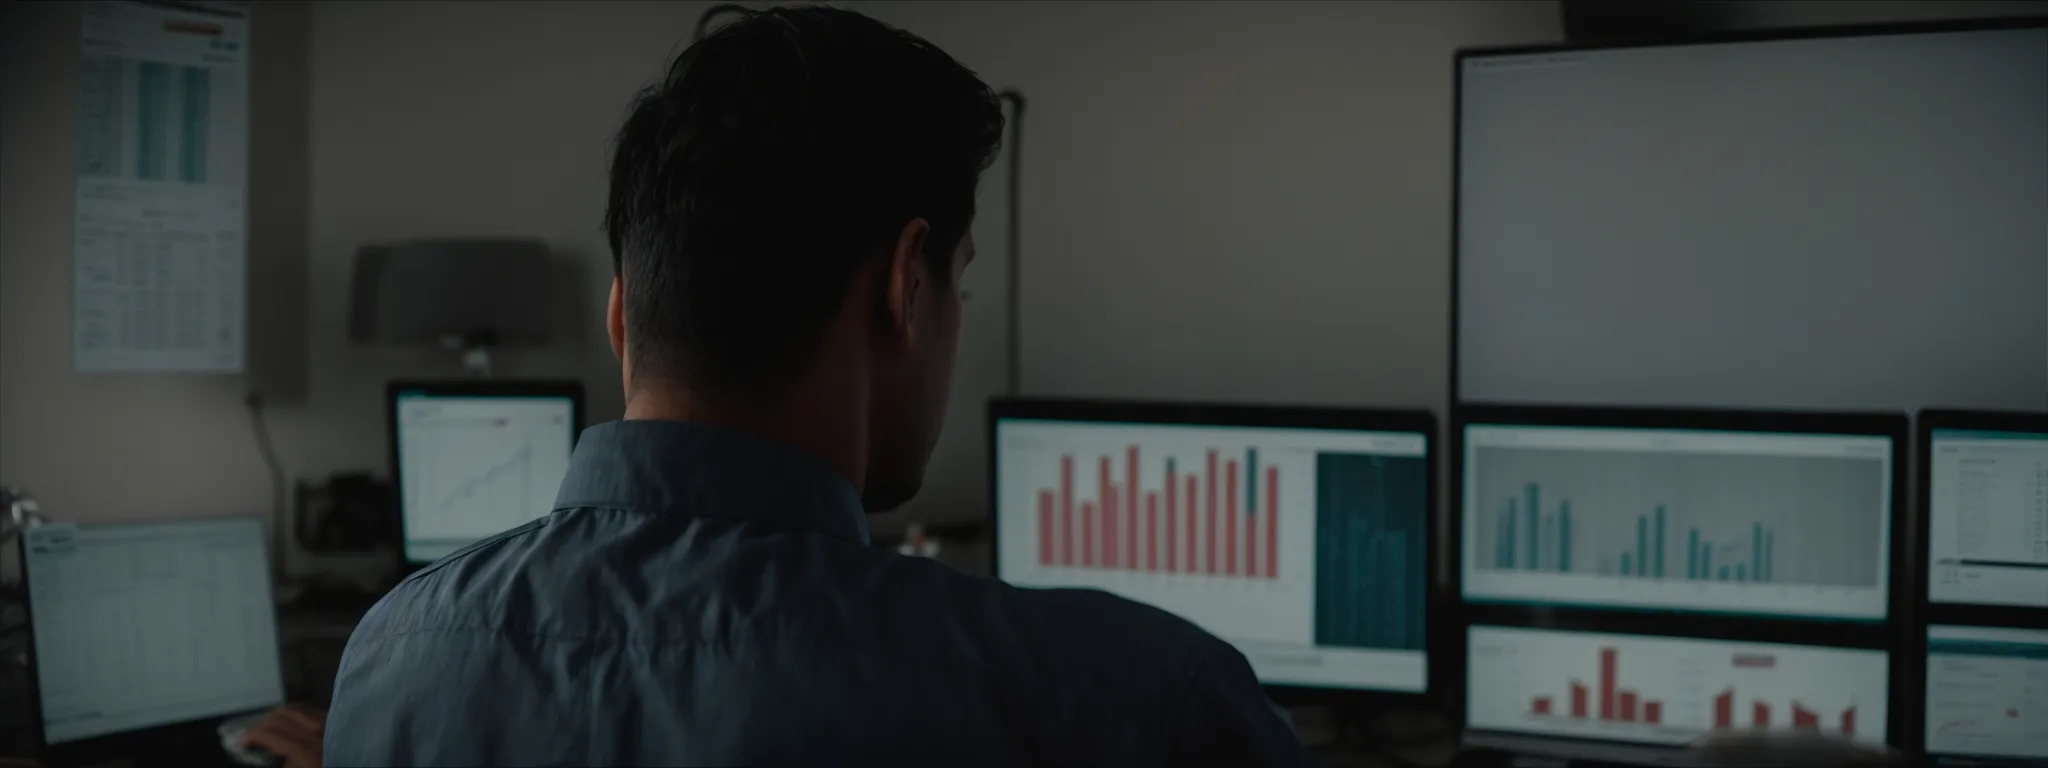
(701, 596)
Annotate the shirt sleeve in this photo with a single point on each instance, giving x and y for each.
(1226, 718)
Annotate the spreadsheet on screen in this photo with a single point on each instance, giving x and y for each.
(148, 624)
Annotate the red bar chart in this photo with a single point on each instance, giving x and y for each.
(1621, 705)
(1669, 689)
(1303, 547)
(1760, 716)
(1617, 704)
(1228, 507)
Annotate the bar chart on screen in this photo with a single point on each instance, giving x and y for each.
(1217, 524)
(1669, 690)
(1122, 525)
(1723, 522)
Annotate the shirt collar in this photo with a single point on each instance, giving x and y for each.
(706, 471)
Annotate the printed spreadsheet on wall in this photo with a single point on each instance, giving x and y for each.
(159, 233)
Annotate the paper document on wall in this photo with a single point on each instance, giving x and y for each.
(159, 248)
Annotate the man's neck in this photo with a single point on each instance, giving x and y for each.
(823, 421)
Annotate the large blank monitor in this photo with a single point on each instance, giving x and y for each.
(1840, 222)
(1300, 536)
(142, 625)
(475, 459)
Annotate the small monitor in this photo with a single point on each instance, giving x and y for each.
(475, 459)
(1986, 486)
(137, 626)
(1987, 694)
(1984, 489)
(1773, 515)
(1300, 536)
(1634, 579)
(1669, 690)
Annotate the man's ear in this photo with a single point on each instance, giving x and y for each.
(908, 286)
(615, 319)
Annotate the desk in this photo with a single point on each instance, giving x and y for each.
(310, 645)
(1394, 738)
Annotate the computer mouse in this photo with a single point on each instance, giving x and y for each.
(231, 743)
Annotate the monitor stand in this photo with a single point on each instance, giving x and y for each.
(1788, 750)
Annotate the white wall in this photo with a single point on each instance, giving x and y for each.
(435, 119)
(431, 119)
(1243, 201)
(123, 446)
(1223, 200)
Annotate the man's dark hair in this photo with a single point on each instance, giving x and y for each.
(777, 156)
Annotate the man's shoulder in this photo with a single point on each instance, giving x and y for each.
(1095, 608)
(1086, 621)
(434, 597)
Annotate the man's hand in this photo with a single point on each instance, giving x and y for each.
(292, 732)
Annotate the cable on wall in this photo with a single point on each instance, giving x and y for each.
(280, 482)
(1013, 235)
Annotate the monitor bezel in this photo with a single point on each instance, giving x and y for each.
(506, 388)
(1929, 422)
(1922, 651)
(1213, 414)
(1722, 37)
(1597, 750)
(1771, 35)
(1928, 613)
(1888, 635)
(126, 744)
(1904, 634)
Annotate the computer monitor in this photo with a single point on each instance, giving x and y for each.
(1984, 492)
(1667, 690)
(1987, 694)
(1985, 481)
(1301, 536)
(1644, 577)
(1750, 514)
(1747, 222)
(474, 459)
(141, 626)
